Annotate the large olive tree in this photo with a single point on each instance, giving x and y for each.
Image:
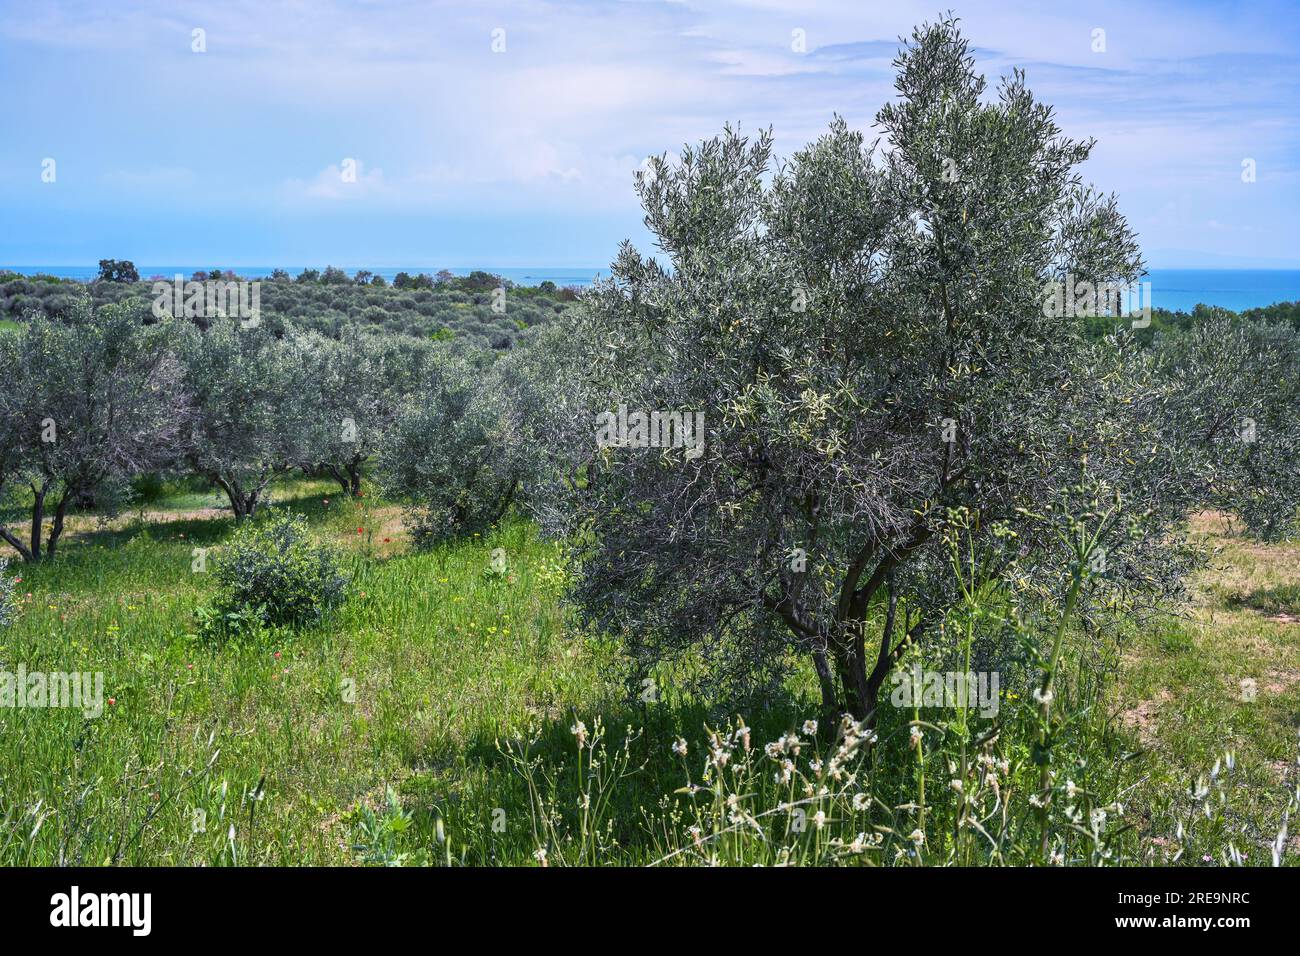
(247, 393)
(354, 390)
(866, 333)
(451, 454)
(89, 401)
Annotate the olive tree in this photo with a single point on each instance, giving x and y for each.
(842, 353)
(1237, 387)
(246, 393)
(354, 389)
(90, 401)
(450, 453)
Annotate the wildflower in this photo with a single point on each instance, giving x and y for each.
(860, 801)
(915, 738)
(539, 855)
(819, 819)
(917, 837)
(1057, 858)
(956, 785)
(679, 747)
(1071, 789)
(810, 727)
(1042, 696)
(579, 730)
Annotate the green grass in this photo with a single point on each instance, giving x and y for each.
(441, 654)
(1182, 695)
(431, 720)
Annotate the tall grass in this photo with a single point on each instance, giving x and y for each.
(447, 714)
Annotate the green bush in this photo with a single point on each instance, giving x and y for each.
(8, 595)
(150, 487)
(272, 574)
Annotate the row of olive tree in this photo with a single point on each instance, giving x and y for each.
(103, 395)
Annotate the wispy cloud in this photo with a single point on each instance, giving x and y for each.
(467, 116)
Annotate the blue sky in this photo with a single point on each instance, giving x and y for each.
(465, 156)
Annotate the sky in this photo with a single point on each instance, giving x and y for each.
(508, 134)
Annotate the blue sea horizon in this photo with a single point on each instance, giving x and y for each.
(1173, 289)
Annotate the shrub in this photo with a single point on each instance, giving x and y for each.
(8, 594)
(274, 574)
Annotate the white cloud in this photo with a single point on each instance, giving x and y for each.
(346, 180)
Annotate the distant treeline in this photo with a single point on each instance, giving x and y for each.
(439, 306)
(442, 306)
(1165, 321)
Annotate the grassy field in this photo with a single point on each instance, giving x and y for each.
(447, 714)
(1222, 677)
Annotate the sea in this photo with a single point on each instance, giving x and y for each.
(1172, 289)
